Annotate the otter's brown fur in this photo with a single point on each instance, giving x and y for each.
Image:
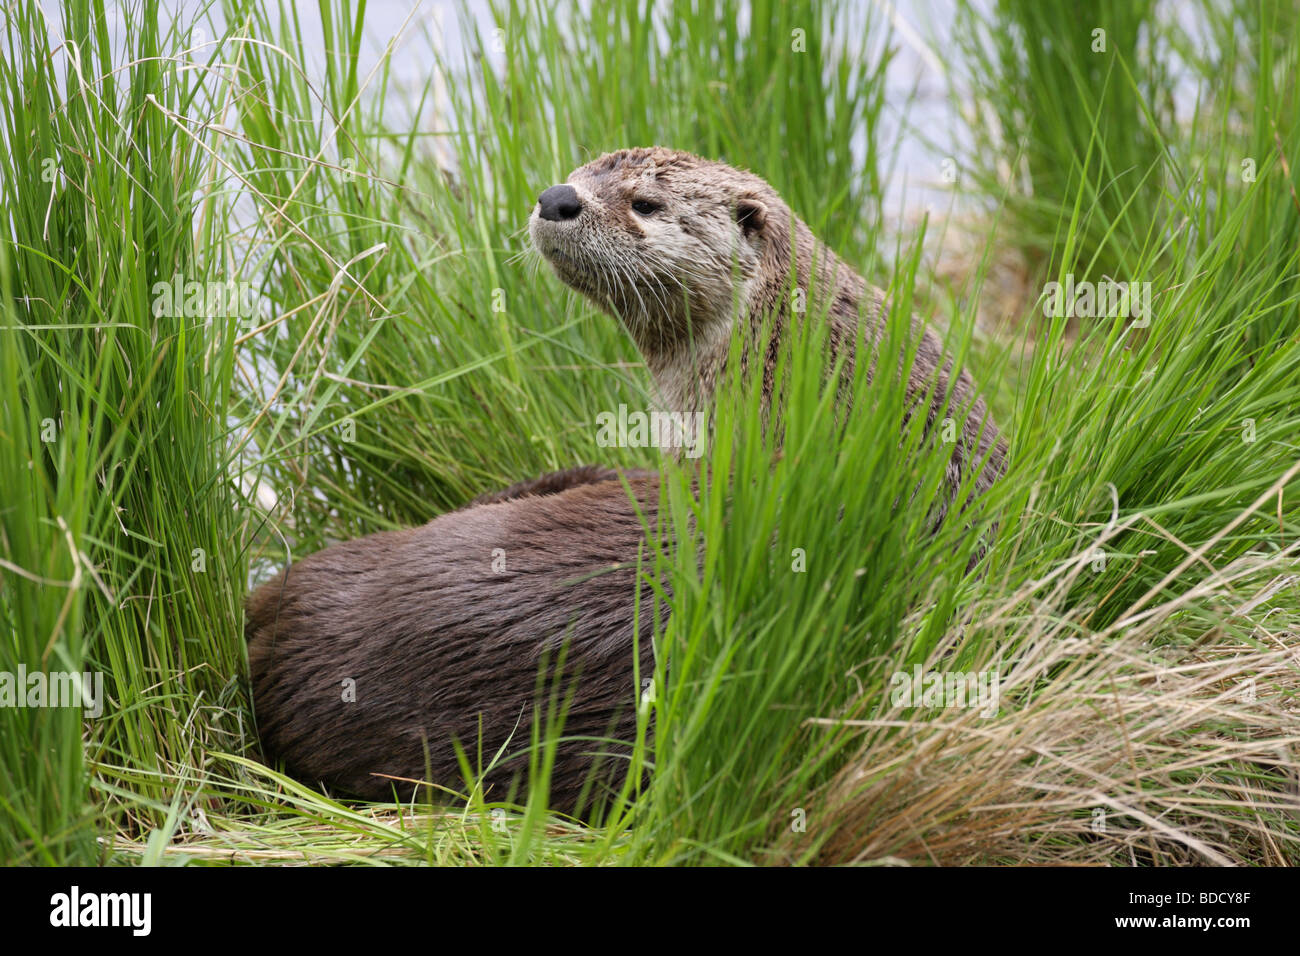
(713, 237)
(441, 645)
(444, 640)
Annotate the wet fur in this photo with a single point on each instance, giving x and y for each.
(723, 237)
(441, 646)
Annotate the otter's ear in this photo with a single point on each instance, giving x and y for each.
(751, 215)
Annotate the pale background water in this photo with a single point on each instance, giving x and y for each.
(920, 129)
(916, 80)
(922, 125)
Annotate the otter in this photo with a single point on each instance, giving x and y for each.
(368, 659)
(688, 252)
(371, 659)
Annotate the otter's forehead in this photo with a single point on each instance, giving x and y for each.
(686, 174)
(651, 161)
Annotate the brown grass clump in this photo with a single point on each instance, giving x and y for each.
(1169, 737)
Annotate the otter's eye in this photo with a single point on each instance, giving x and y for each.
(644, 207)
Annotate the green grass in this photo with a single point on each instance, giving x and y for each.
(406, 353)
(1072, 104)
(110, 518)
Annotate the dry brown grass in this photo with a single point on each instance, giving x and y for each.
(1178, 728)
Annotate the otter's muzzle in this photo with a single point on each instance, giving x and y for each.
(559, 203)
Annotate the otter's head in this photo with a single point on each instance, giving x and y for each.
(664, 240)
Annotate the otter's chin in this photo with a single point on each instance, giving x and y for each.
(571, 270)
(574, 274)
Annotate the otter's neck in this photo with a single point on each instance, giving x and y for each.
(686, 372)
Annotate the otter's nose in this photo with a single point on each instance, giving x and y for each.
(559, 202)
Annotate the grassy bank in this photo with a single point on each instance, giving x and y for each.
(370, 344)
